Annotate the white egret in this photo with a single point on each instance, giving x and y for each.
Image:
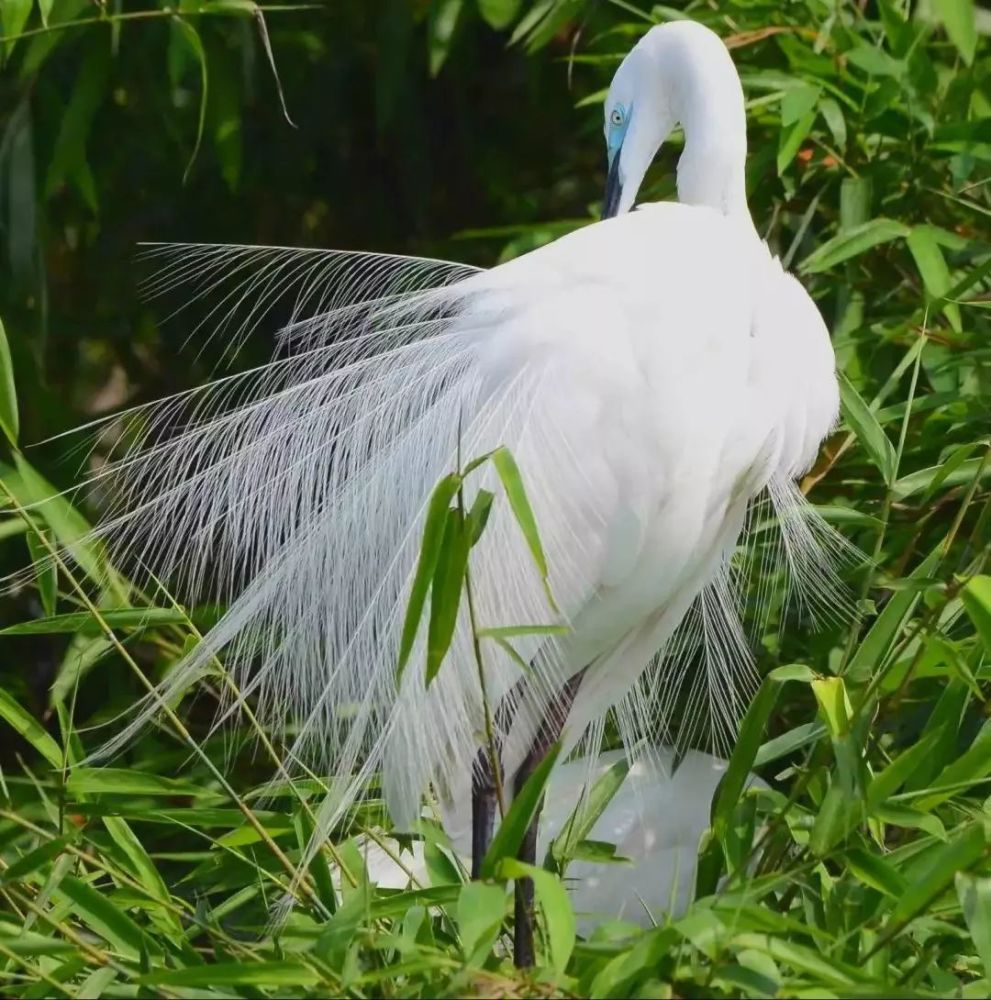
(654, 375)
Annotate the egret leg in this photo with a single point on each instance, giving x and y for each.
(523, 954)
(483, 809)
(547, 735)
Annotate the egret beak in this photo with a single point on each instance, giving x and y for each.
(614, 189)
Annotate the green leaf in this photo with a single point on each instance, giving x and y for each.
(976, 597)
(552, 899)
(499, 14)
(13, 17)
(514, 631)
(884, 784)
(224, 113)
(933, 874)
(24, 942)
(431, 544)
(84, 621)
(69, 161)
(873, 870)
(45, 8)
(959, 19)
(798, 101)
(953, 461)
(912, 819)
(102, 916)
(790, 139)
(446, 590)
(869, 432)
(834, 703)
(512, 483)
(931, 478)
(832, 114)
(29, 863)
(84, 781)
(480, 912)
(838, 814)
(974, 894)
(191, 36)
(143, 867)
(590, 807)
(804, 959)
(223, 974)
(875, 647)
(478, 516)
(923, 244)
(853, 242)
(29, 727)
(45, 571)
(442, 22)
(973, 765)
(519, 816)
(72, 531)
(751, 736)
(9, 421)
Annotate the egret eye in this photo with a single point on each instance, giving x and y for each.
(616, 117)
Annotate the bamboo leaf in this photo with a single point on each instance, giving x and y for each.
(512, 483)
(874, 871)
(144, 868)
(9, 420)
(44, 568)
(923, 244)
(937, 476)
(442, 22)
(13, 17)
(853, 242)
(85, 622)
(514, 631)
(869, 432)
(974, 894)
(509, 836)
(430, 549)
(84, 781)
(29, 863)
(749, 742)
(480, 912)
(499, 14)
(935, 872)
(192, 38)
(30, 729)
(959, 19)
(224, 974)
(446, 590)
(102, 916)
(976, 596)
(589, 809)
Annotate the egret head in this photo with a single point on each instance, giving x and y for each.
(639, 118)
(678, 73)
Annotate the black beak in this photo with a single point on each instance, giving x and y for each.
(614, 190)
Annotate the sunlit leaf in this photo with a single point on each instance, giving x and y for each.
(852, 243)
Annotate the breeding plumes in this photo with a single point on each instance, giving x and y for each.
(655, 376)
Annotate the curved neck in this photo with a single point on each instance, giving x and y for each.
(706, 96)
(712, 167)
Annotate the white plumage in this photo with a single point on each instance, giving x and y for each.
(653, 375)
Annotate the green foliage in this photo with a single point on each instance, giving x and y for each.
(864, 867)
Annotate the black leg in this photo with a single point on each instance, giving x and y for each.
(523, 949)
(483, 808)
(523, 953)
